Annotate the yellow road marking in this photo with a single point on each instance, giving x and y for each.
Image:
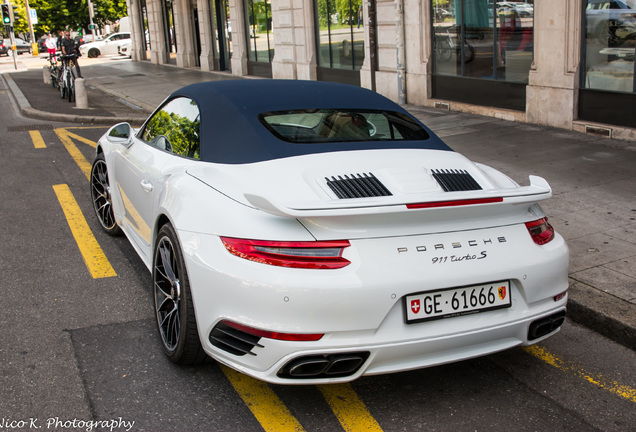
(268, 409)
(350, 410)
(36, 137)
(94, 258)
(75, 153)
(82, 139)
(609, 385)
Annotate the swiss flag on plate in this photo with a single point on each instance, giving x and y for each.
(415, 306)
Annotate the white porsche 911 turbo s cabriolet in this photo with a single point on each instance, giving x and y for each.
(310, 232)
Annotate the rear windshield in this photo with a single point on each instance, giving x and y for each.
(333, 125)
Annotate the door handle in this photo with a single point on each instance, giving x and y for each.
(146, 185)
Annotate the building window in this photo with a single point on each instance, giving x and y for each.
(170, 34)
(144, 25)
(483, 39)
(340, 36)
(259, 16)
(610, 45)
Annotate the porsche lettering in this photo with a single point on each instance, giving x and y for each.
(454, 245)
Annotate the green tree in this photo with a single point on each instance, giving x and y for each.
(55, 15)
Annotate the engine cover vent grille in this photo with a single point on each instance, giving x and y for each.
(357, 186)
(455, 180)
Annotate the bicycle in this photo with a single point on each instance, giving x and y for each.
(67, 78)
(54, 70)
(445, 47)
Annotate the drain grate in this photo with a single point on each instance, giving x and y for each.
(27, 128)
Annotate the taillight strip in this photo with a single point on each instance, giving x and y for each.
(455, 203)
(301, 254)
(295, 337)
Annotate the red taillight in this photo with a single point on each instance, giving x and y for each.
(455, 203)
(296, 337)
(308, 255)
(540, 231)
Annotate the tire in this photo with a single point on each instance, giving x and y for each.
(102, 198)
(9, 52)
(174, 311)
(62, 87)
(71, 87)
(93, 52)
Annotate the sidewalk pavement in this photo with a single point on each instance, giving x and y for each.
(593, 178)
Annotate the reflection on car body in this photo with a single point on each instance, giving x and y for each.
(311, 232)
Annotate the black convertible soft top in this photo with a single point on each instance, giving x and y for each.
(231, 132)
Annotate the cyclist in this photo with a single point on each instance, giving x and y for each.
(69, 50)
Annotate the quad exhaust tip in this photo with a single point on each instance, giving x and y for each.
(544, 326)
(324, 366)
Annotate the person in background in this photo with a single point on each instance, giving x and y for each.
(69, 49)
(50, 46)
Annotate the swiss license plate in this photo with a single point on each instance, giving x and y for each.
(456, 301)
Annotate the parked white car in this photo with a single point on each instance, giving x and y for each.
(125, 48)
(106, 46)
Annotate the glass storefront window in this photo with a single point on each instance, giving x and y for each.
(610, 45)
(484, 39)
(340, 34)
(259, 16)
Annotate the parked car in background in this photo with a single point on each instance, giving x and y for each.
(20, 45)
(106, 46)
(124, 49)
(83, 39)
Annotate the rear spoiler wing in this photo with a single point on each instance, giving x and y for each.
(538, 190)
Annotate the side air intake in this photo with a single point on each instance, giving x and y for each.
(357, 186)
(455, 180)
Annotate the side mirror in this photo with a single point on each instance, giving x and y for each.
(121, 133)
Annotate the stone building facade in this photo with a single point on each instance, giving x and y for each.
(565, 63)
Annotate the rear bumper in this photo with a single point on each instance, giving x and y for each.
(360, 309)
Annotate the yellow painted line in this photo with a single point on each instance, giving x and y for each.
(94, 258)
(614, 387)
(36, 137)
(348, 408)
(268, 409)
(75, 153)
(82, 139)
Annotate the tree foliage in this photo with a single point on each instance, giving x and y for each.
(344, 11)
(56, 15)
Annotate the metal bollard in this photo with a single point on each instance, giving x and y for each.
(81, 97)
(46, 75)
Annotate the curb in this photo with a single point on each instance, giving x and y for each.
(602, 313)
(28, 111)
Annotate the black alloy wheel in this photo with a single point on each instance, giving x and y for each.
(174, 311)
(102, 197)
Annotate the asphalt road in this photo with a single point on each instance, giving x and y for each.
(76, 349)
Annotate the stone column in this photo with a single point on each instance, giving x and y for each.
(184, 29)
(239, 37)
(137, 48)
(158, 54)
(206, 31)
(552, 92)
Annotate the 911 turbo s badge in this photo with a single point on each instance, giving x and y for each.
(454, 246)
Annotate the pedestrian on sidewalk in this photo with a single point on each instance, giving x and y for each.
(69, 52)
(50, 46)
